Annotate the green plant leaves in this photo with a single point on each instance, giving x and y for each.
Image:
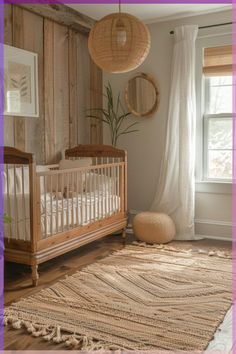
(114, 116)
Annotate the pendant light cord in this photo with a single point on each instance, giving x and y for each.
(119, 6)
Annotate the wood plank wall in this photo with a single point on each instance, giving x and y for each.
(69, 83)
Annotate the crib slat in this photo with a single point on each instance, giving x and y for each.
(23, 202)
(51, 209)
(115, 186)
(77, 198)
(112, 189)
(90, 198)
(8, 203)
(57, 214)
(62, 202)
(86, 199)
(118, 187)
(94, 196)
(122, 175)
(98, 193)
(45, 206)
(72, 200)
(83, 178)
(16, 206)
(67, 201)
(102, 193)
(109, 186)
(105, 192)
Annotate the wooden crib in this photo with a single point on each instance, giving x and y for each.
(55, 211)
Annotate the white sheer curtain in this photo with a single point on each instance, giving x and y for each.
(175, 190)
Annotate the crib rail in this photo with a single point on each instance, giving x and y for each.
(15, 156)
(78, 197)
(98, 151)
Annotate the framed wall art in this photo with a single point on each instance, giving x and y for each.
(20, 82)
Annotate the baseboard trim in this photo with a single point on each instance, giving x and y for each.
(215, 229)
(205, 228)
(213, 222)
(217, 238)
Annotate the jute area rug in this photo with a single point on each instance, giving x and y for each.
(140, 298)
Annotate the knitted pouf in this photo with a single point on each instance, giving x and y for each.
(152, 227)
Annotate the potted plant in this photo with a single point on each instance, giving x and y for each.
(114, 116)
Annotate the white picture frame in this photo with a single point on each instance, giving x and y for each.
(20, 82)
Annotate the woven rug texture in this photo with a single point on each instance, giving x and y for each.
(139, 298)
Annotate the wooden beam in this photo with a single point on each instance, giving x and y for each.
(50, 135)
(8, 24)
(56, 90)
(18, 41)
(73, 88)
(34, 42)
(62, 14)
(8, 37)
(61, 90)
(96, 101)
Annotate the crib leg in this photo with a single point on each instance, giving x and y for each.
(124, 235)
(35, 274)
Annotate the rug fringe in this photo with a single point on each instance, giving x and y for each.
(49, 333)
(211, 253)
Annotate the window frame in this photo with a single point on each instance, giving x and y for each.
(202, 184)
(206, 119)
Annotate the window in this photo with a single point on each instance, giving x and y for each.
(217, 117)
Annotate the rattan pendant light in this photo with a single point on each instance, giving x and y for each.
(119, 42)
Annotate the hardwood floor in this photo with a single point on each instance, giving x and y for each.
(18, 284)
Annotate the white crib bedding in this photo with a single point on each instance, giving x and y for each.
(58, 215)
(79, 210)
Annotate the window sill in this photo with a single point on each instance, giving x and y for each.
(213, 187)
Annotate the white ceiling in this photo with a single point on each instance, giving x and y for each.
(149, 12)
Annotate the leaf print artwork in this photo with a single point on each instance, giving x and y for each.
(19, 79)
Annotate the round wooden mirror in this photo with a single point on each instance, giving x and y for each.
(141, 95)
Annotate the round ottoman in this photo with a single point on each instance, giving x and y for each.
(152, 227)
